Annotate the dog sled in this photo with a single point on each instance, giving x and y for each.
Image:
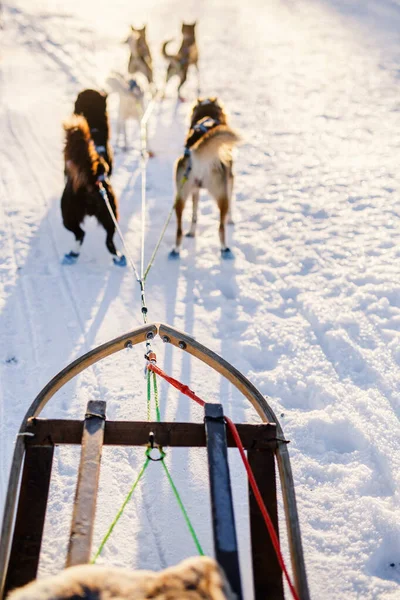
(265, 444)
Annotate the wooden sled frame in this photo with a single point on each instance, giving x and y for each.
(261, 442)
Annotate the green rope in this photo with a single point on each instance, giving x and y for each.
(141, 473)
(121, 510)
(186, 516)
(148, 395)
(158, 415)
(173, 486)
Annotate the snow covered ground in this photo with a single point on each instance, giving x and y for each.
(309, 310)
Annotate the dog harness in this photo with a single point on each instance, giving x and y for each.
(199, 129)
(196, 133)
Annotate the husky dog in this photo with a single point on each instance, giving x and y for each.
(92, 105)
(187, 55)
(85, 169)
(193, 579)
(206, 163)
(131, 102)
(140, 57)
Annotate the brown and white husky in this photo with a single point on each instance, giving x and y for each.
(187, 55)
(206, 163)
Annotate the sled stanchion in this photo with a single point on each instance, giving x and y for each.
(225, 540)
(267, 573)
(80, 542)
(28, 529)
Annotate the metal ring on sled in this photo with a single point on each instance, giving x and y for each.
(188, 344)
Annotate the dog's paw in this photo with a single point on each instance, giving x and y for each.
(174, 254)
(70, 258)
(190, 234)
(227, 254)
(120, 261)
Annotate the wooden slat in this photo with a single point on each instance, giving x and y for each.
(225, 541)
(80, 542)
(28, 529)
(266, 570)
(126, 433)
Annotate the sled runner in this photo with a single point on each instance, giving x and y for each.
(30, 475)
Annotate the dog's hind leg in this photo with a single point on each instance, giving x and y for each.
(230, 183)
(183, 78)
(223, 205)
(183, 188)
(218, 186)
(73, 255)
(125, 135)
(118, 258)
(72, 215)
(179, 206)
(105, 219)
(195, 199)
(118, 132)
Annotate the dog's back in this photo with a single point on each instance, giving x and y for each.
(131, 96)
(92, 105)
(82, 161)
(210, 138)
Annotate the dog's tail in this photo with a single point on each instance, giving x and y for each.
(82, 162)
(217, 143)
(164, 50)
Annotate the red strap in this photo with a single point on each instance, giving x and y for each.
(267, 519)
(176, 384)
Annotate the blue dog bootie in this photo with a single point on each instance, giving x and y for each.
(227, 254)
(120, 260)
(70, 258)
(174, 254)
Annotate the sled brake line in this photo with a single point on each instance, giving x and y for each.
(143, 166)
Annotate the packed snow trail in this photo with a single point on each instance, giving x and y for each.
(309, 310)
